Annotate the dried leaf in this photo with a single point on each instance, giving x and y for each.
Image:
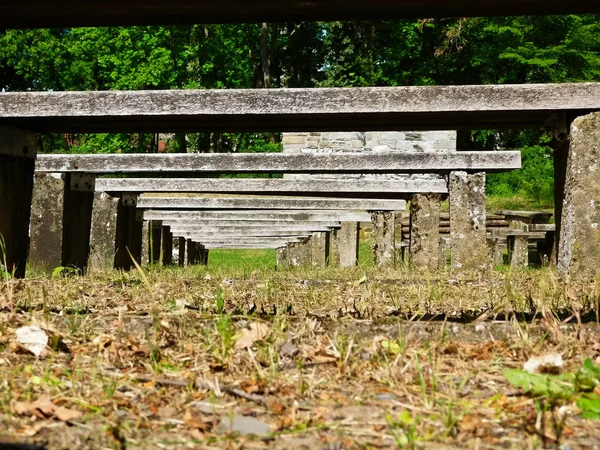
(320, 355)
(255, 332)
(33, 339)
(44, 408)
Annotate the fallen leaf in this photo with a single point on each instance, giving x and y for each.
(33, 339)
(255, 332)
(321, 355)
(44, 408)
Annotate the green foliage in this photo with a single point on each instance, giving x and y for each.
(65, 271)
(535, 180)
(575, 386)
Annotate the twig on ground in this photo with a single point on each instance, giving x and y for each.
(199, 384)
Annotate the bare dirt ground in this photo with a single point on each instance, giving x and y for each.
(189, 358)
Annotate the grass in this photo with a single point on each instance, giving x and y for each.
(249, 259)
(358, 358)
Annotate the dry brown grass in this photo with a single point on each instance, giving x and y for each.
(350, 359)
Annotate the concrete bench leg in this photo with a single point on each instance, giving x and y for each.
(518, 251)
(167, 246)
(444, 248)
(47, 206)
(103, 232)
(495, 252)
(344, 245)
(77, 223)
(579, 243)
(146, 242)
(384, 252)
(320, 249)
(61, 221)
(181, 252)
(559, 129)
(300, 253)
(282, 257)
(192, 253)
(17, 164)
(155, 241)
(468, 245)
(129, 237)
(546, 249)
(425, 231)
(202, 255)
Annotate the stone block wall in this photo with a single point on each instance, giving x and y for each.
(375, 141)
(332, 142)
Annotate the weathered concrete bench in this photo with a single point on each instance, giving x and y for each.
(527, 227)
(449, 107)
(280, 187)
(79, 167)
(409, 234)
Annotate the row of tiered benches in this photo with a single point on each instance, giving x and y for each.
(79, 185)
(398, 108)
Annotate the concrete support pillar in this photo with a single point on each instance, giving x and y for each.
(398, 238)
(320, 249)
(155, 241)
(17, 163)
(495, 254)
(444, 250)
(282, 257)
(182, 252)
(204, 255)
(467, 220)
(579, 243)
(384, 251)
(47, 205)
(425, 231)
(344, 245)
(146, 242)
(300, 253)
(518, 251)
(192, 252)
(77, 220)
(167, 246)
(61, 221)
(103, 232)
(129, 235)
(546, 250)
(559, 130)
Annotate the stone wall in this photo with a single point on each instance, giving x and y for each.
(376, 141)
(330, 142)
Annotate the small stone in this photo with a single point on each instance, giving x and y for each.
(381, 148)
(288, 350)
(243, 425)
(386, 397)
(551, 363)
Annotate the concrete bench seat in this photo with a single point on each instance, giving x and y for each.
(384, 162)
(402, 108)
(280, 187)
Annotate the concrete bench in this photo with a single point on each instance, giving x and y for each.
(81, 171)
(280, 187)
(412, 108)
